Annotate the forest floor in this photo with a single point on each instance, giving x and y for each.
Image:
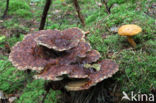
(137, 66)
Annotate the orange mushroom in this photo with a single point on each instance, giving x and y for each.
(129, 31)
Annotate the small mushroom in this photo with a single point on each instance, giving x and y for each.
(129, 31)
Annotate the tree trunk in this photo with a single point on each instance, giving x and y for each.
(44, 14)
(6, 9)
(77, 7)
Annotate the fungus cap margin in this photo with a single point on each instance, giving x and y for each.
(129, 30)
(61, 40)
(108, 68)
(21, 53)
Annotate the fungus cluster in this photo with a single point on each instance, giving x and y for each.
(57, 55)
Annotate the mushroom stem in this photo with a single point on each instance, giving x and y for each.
(131, 41)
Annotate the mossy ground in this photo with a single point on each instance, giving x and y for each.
(137, 66)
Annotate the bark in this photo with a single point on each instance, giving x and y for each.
(6, 9)
(44, 14)
(77, 7)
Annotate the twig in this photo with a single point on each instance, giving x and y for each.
(106, 6)
(44, 14)
(77, 7)
(6, 9)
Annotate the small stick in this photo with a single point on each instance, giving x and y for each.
(77, 7)
(87, 32)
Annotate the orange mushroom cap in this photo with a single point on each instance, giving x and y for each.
(129, 30)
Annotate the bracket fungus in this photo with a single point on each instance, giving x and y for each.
(129, 31)
(61, 40)
(60, 56)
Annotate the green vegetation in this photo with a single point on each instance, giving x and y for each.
(34, 93)
(11, 79)
(19, 8)
(137, 66)
(139, 70)
(9, 41)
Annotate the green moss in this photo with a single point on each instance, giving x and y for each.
(54, 26)
(10, 78)
(112, 43)
(10, 23)
(51, 97)
(11, 41)
(137, 69)
(18, 4)
(2, 38)
(150, 47)
(20, 8)
(34, 93)
(23, 13)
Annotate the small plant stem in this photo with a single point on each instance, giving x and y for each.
(6, 9)
(77, 7)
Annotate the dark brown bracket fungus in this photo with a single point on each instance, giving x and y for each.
(61, 40)
(60, 56)
(92, 56)
(25, 55)
(95, 76)
(76, 54)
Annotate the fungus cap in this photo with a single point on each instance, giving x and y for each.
(78, 72)
(108, 68)
(60, 56)
(23, 55)
(75, 85)
(55, 71)
(76, 53)
(92, 56)
(61, 40)
(129, 30)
